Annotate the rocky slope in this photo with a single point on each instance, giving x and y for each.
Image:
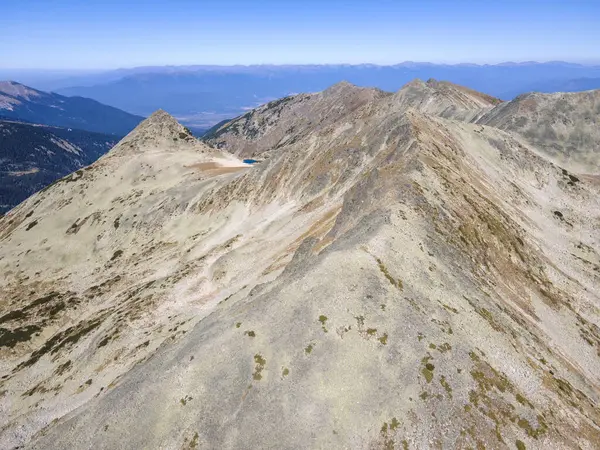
(564, 126)
(34, 156)
(21, 102)
(389, 279)
(444, 99)
(283, 122)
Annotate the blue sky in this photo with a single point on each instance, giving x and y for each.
(79, 34)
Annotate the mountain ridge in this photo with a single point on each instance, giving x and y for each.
(416, 280)
(22, 102)
(563, 125)
(228, 91)
(439, 98)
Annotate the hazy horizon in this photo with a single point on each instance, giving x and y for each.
(66, 70)
(133, 33)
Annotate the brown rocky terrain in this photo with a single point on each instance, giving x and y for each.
(564, 126)
(392, 274)
(282, 122)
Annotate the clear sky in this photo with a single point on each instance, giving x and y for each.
(80, 34)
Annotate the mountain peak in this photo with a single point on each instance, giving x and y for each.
(283, 122)
(415, 83)
(161, 114)
(18, 90)
(558, 115)
(159, 129)
(162, 118)
(340, 87)
(343, 84)
(161, 123)
(444, 99)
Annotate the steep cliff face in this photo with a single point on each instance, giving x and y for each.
(391, 277)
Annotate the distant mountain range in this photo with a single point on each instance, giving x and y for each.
(44, 136)
(21, 102)
(201, 96)
(575, 85)
(34, 156)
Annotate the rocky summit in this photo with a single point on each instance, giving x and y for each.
(407, 270)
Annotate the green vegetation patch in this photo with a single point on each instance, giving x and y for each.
(445, 347)
(63, 368)
(396, 283)
(450, 308)
(66, 338)
(427, 369)
(10, 338)
(388, 441)
(383, 339)
(530, 430)
(260, 365)
(522, 400)
(446, 385)
(488, 398)
(194, 443)
(185, 400)
(323, 320)
(489, 318)
(427, 373)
